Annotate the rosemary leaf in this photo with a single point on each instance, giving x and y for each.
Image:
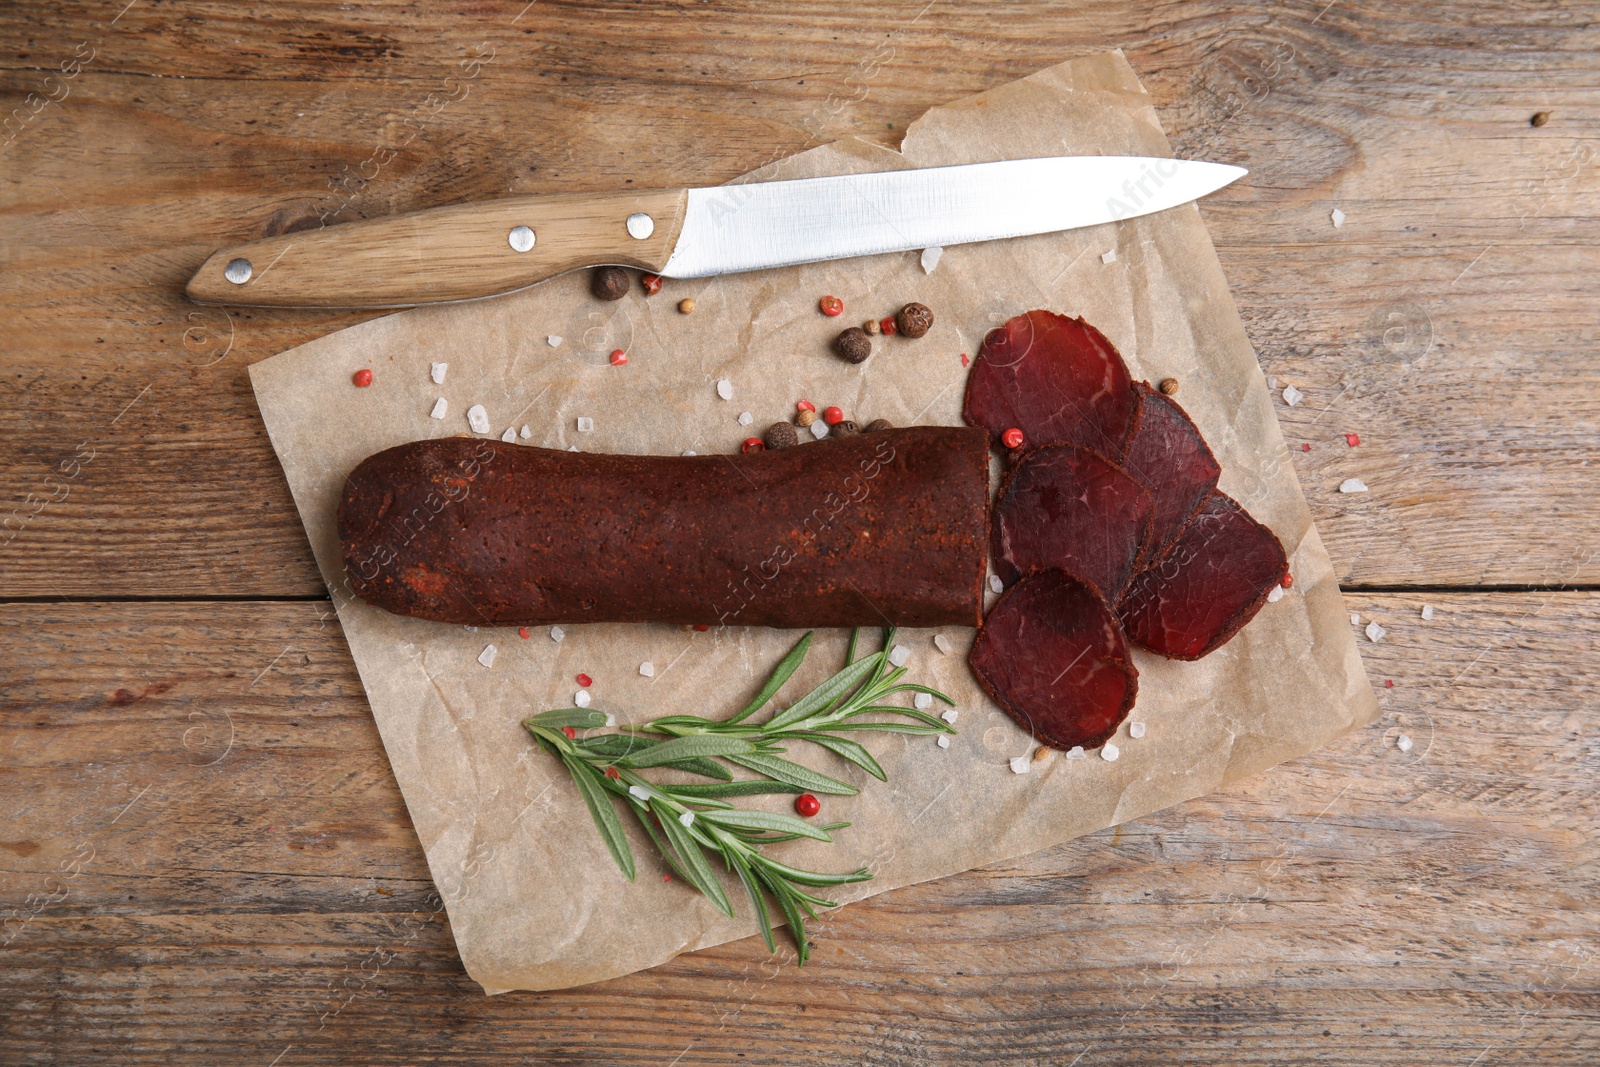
(785, 771)
(758, 903)
(780, 674)
(577, 718)
(825, 695)
(693, 863)
(679, 749)
(765, 820)
(850, 750)
(745, 788)
(590, 784)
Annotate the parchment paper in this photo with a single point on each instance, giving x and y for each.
(534, 899)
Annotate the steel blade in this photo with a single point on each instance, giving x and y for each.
(733, 228)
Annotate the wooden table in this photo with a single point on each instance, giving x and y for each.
(204, 857)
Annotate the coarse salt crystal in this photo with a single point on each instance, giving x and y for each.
(745, 418)
(930, 258)
(922, 701)
(725, 388)
(638, 792)
(1292, 396)
(581, 698)
(687, 818)
(1338, 218)
(942, 643)
(486, 657)
(1021, 764)
(1403, 742)
(471, 629)
(526, 432)
(554, 340)
(1272, 381)
(1355, 620)
(898, 655)
(572, 448)
(1352, 485)
(1276, 594)
(611, 720)
(647, 669)
(1109, 257)
(1136, 730)
(1077, 752)
(1110, 752)
(1427, 612)
(950, 716)
(944, 740)
(995, 584)
(510, 435)
(689, 452)
(819, 429)
(440, 406)
(557, 633)
(1375, 632)
(478, 419)
(438, 372)
(585, 424)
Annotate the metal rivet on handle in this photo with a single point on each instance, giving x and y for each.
(238, 272)
(640, 225)
(521, 238)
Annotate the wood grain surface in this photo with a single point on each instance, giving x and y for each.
(203, 855)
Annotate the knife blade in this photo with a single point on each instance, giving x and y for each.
(475, 250)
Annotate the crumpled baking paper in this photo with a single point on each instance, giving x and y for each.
(534, 899)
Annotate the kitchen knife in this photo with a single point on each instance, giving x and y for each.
(498, 246)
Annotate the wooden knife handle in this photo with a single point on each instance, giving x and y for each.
(446, 253)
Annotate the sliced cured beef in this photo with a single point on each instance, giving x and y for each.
(1053, 656)
(863, 530)
(1211, 581)
(1071, 508)
(1056, 379)
(1171, 460)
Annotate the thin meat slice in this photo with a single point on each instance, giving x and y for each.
(1053, 656)
(1212, 581)
(1170, 459)
(1074, 509)
(1056, 379)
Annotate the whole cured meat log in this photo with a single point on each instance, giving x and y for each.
(886, 527)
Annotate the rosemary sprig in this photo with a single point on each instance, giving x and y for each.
(688, 823)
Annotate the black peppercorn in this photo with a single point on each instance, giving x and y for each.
(610, 283)
(879, 424)
(853, 345)
(914, 320)
(782, 435)
(844, 429)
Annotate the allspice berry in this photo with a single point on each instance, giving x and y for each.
(914, 320)
(805, 418)
(879, 424)
(844, 429)
(872, 327)
(781, 435)
(686, 305)
(1168, 386)
(610, 283)
(853, 345)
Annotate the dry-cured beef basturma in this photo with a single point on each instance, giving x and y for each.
(1171, 459)
(1071, 508)
(1051, 654)
(1056, 379)
(1212, 581)
(1116, 502)
(863, 530)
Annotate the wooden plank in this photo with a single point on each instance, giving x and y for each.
(1447, 321)
(266, 898)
